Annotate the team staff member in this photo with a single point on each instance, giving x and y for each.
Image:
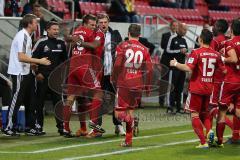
(177, 48)
(55, 50)
(19, 69)
(166, 57)
(112, 39)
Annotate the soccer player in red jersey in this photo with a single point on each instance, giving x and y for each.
(230, 91)
(202, 63)
(132, 64)
(81, 74)
(219, 30)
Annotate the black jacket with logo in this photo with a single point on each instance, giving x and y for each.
(175, 44)
(52, 48)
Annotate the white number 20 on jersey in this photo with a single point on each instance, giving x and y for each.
(133, 59)
(208, 64)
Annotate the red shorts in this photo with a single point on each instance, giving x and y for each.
(230, 93)
(214, 99)
(127, 98)
(81, 80)
(197, 103)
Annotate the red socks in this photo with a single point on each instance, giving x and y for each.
(66, 117)
(236, 128)
(205, 118)
(220, 130)
(198, 128)
(129, 131)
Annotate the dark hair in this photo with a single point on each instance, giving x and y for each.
(103, 15)
(88, 17)
(27, 19)
(134, 30)
(36, 6)
(51, 23)
(206, 36)
(173, 21)
(222, 25)
(236, 27)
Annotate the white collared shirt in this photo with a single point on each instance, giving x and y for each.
(22, 42)
(107, 55)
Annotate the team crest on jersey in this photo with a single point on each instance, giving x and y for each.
(46, 49)
(59, 46)
(190, 60)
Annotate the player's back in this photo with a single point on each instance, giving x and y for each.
(233, 70)
(132, 60)
(205, 60)
(217, 44)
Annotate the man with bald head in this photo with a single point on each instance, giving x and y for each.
(177, 48)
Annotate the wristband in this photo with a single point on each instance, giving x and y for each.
(175, 64)
(222, 58)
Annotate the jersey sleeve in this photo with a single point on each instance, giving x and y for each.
(192, 60)
(214, 45)
(99, 36)
(118, 67)
(228, 46)
(220, 64)
(22, 43)
(149, 69)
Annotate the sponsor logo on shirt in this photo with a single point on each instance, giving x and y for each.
(46, 49)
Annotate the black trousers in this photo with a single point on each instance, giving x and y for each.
(41, 92)
(162, 85)
(107, 86)
(5, 94)
(178, 79)
(20, 97)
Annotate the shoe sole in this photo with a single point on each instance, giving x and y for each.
(94, 127)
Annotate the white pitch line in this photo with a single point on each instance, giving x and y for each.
(90, 144)
(133, 149)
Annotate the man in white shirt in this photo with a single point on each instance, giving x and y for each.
(19, 69)
(112, 39)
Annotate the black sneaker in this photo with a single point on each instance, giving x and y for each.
(96, 127)
(135, 127)
(170, 110)
(39, 130)
(10, 133)
(32, 132)
(67, 134)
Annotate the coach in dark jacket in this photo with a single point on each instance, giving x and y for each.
(177, 48)
(55, 50)
(165, 59)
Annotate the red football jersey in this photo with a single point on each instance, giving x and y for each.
(217, 44)
(203, 62)
(99, 36)
(82, 56)
(233, 70)
(132, 64)
(86, 35)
